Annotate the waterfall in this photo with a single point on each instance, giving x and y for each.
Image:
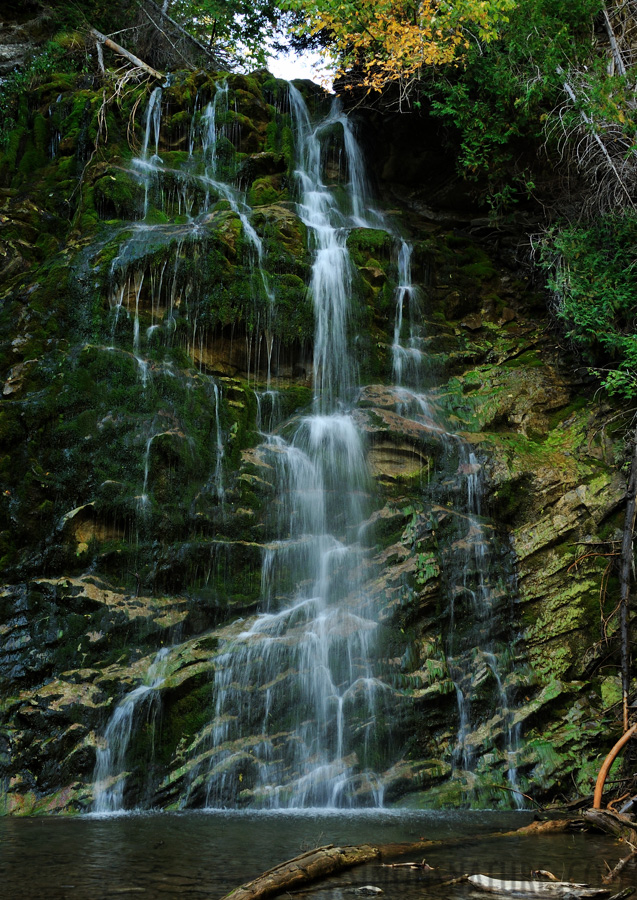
(302, 712)
(297, 699)
(109, 777)
(469, 563)
(331, 272)
(407, 355)
(153, 124)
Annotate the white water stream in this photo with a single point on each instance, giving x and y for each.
(110, 773)
(314, 656)
(302, 716)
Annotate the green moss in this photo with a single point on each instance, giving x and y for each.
(117, 195)
(367, 243)
(266, 190)
(483, 271)
(531, 358)
(31, 159)
(558, 417)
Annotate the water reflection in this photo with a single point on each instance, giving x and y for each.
(207, 854)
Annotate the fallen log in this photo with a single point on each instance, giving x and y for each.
(612, 823)
(329, 860)
(552, 826)
(304, 869)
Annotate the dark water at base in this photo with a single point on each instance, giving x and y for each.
(207, 854)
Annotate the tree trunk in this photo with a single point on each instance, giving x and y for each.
(624, 581)
(610, 759)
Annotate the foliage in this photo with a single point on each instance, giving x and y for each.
(505, 91)
(239, 27)
(594, 280)
(493, 71)
(385, 40)
(53, 58)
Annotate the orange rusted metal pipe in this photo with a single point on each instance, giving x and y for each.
(610, 759)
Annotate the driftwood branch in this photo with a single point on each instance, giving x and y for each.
(304, 869)
(616, 872)
(552, 889)
(122, 51)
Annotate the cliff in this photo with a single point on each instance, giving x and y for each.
(159, 360)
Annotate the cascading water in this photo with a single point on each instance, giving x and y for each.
(109, 778)
(407, 352)
(301, 710)
(297, 700)
(471, 647)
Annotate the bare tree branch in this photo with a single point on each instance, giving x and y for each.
(117, 48)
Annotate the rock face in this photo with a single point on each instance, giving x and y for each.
(143, 360)
(23, 28)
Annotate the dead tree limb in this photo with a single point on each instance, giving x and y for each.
(185, 61)
(303, 869)
(616, 872)
(624, 580)
(122, 51)
(591, 127)
(614, 46)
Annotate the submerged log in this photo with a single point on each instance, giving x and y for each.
(536, 888)
(619, 868)
(304, 869)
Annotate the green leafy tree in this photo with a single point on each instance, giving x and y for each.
(593, 277)
(244, 29)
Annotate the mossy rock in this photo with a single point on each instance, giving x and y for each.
(118, 195)
(266, 190)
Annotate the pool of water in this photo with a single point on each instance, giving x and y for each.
(206, 854)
